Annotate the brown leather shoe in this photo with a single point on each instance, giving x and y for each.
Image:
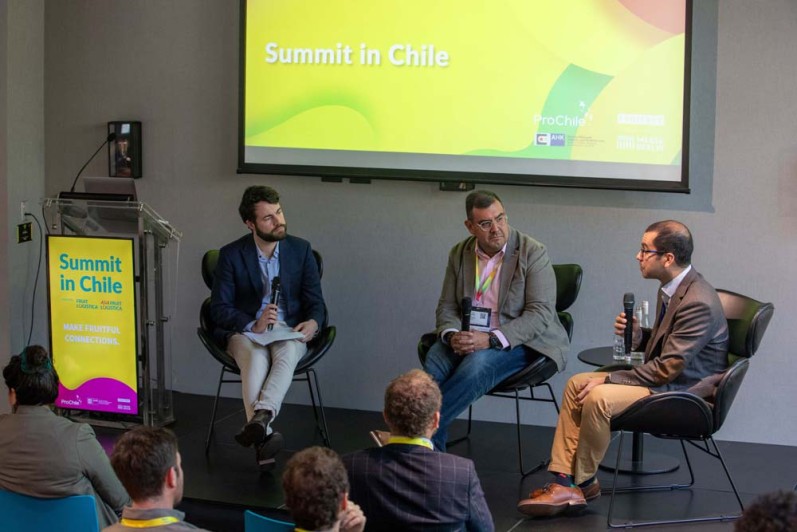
(553, 499)
(592, 491)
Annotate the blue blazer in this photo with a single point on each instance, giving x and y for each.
(238, 286)
(409, 487)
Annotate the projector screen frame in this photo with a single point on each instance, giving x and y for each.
(364, 173)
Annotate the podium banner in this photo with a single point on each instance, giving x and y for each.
(93, 336)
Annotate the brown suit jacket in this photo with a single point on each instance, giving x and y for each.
(687, 345)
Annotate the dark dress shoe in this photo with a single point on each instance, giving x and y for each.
(267, 452)
(254, 432)
(553, 499)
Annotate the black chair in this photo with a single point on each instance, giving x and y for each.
(539, 370)
(304, 371)
(687, 417)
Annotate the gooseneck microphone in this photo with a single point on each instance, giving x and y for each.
(110, 138)
(628, 308)
(467, 306)
(276, 292)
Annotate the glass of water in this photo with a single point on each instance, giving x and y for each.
(618, 353)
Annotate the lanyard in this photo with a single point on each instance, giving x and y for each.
(423, 442)
(149, 523)
(482, 285)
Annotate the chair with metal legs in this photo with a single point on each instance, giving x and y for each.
(538, 371)
(304, 371)
(687, 417)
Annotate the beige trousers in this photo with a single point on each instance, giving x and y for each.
(583, 431)
(266, 372)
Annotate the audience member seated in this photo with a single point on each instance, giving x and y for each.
(772, 512)
(147, 462)
(406, 485)
(317, 492)
(688, 343)
(43, 455)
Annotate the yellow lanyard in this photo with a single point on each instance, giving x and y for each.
(423, 442)
(149, 523)
(482, 285)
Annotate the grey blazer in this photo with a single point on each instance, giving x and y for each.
(526, 298)
(690, 342)
(47, 456)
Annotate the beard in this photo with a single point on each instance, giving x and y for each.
(272, 237)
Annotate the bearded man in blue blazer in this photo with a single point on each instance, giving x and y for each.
(241, 302)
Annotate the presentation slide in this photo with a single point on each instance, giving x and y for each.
(583, 88)
(91, 284)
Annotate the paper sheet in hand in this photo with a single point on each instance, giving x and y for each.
(276, 335)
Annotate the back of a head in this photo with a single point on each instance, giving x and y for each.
(315, 482)
(772, 512)
(32, 376)
(141, 459)
(411, 401)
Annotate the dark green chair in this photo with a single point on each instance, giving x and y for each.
(690, 419)
(539, 370)
(304, 371)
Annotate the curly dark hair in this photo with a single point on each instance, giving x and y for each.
(254, 195)
(411, 401)
(315, 482)
(772, 512)
(32, 376)
(141, 459)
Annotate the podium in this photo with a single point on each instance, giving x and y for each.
(156, 249)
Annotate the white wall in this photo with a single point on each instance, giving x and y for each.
(22, 156)
(173, 65)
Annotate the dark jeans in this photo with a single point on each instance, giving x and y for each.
(463, 379)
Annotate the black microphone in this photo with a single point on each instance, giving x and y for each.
(628, 308)
(467, 306)
(276, 292)
(110, 138)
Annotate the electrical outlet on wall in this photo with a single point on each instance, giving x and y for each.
(23, 208)
(24, 232)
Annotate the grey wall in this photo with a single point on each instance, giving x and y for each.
(173, 65)
(22, 156)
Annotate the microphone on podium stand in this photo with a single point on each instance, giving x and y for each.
(110, 138)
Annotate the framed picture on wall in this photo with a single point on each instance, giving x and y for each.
(124, 151)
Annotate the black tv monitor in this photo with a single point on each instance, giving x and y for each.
(590, 94)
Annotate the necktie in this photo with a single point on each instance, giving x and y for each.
(664, 300)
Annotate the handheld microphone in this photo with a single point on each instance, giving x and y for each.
(467, 306)
(110, 138)
(276, 292)
(628, 308)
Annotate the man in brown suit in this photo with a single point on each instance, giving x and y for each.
(688, 342)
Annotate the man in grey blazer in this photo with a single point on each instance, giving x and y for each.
(688, 343)
(510, 283)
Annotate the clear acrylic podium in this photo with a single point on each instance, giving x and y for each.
(157, 251)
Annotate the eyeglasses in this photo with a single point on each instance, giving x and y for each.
(643, 251)
(486, 225)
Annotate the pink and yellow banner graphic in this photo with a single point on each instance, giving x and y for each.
(93, 322)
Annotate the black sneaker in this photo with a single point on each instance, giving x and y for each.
(268, 450)
(254, 431)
